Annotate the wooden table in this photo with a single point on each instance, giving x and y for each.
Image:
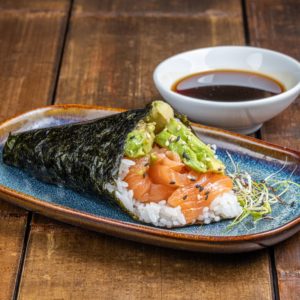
(104, 52)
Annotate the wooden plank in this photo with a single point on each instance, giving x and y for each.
(29, 51)
(113, 47)
(12, 228)
(65, 262)
(287, 258)
(111, 51)
(275, 25)
(279, 29)
(21, 6)
(30, 35)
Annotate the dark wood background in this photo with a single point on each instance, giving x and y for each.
(104, 52)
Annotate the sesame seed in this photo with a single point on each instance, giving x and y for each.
(200, 187)
(213, 147)
(198, 197)
(191, 178)
(178, 127)
(167, 143)
(184, 197)
(172, 182)
(184, 155)
(178, 138)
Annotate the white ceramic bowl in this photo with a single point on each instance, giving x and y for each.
(244, 117)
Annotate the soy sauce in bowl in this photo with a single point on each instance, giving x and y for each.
(228, 86)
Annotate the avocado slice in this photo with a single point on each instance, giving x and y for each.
(194, 153)
(139, 141)
(161, 113)
(162, 127)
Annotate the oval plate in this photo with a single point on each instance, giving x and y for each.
(257, 157)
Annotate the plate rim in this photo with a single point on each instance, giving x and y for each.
(141, 228)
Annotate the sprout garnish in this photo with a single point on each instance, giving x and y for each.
(257, 197)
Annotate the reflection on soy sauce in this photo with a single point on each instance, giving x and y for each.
(228, 86)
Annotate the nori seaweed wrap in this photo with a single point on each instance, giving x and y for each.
(82, 156)
(92, 156)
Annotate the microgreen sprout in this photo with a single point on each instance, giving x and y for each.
(257, 197)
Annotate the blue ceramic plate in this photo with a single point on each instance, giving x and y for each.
(258, 158)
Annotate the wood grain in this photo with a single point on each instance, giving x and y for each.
(30, 35)
(111, 51)
(275, 24)
(71, 263)
(12, 228)
(287, 258)
(113, 48)
(29, 52)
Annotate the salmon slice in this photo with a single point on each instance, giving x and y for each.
(218, 187)
(144, 189)
(157, 193)
(167, 178)
(167, 169)
(161, 174)
(138, 179)
(194, 197)
(191, 191)
(139, 185)
(207, 187)
(169, 159)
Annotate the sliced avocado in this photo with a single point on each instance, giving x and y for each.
(139, 142)
(194, 153)
(161, 113)
(167, 140)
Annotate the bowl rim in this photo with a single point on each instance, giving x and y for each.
(295, 90)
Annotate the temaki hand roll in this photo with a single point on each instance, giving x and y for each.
(148, 161)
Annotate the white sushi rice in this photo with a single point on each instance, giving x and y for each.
(225, 206)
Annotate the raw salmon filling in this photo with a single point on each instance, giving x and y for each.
(161, 190)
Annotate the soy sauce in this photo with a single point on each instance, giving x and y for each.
(228, 86)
